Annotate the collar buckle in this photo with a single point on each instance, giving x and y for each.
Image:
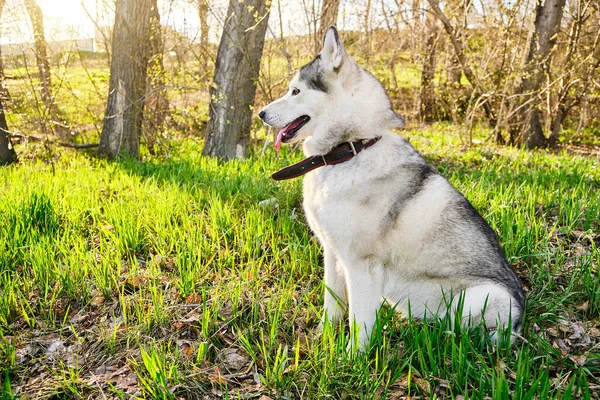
(352, 147)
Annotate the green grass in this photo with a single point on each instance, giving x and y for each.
(165, 279)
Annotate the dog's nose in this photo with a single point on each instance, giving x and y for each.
(262, 114)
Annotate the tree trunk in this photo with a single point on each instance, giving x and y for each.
(203, 15)
(458, 11)
(127, 86)
(41, 50)
(367, 37)
(43, 63)
(157, 102)
(236, 74)
(415, 35)
(329, 14)
(556, 125)
(4, 95)
(548, 15)
(7, 152)
(204, 44)
(453, 72)
(427, 93)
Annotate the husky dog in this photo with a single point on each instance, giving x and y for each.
(391, 228)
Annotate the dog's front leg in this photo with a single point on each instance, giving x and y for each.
(365, 282)
(335, 289)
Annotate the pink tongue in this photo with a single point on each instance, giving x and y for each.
(278, 140)
(283, 131)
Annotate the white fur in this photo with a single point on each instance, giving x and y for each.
(365, 268)
(346, 205)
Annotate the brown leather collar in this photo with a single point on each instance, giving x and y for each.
(339, 154)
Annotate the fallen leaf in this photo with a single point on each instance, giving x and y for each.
(553, 332)
(579, 360)
(422, 384)
(136, 282)
(178, 325)
(584, 307)
(187, 348)
(23, 353)
(127, 383)
(193, 298)
(97, 301)
(216, 376)
(234, 359)
(578, 331)
(562, 346)
(55, 349)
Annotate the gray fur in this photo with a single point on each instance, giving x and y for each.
(416, 176)
(391, 228)
(312, 75)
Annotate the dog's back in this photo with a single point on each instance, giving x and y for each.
(389, 225)
(390, 207)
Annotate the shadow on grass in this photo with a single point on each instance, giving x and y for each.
(243, 182)
(500, 168)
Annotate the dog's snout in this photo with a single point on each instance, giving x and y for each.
(262, 114)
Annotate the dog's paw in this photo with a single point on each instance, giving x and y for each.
(331, 316)
(355, 347)
(501, 338)
(359, 342)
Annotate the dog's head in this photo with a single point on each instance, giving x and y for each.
(331, 100)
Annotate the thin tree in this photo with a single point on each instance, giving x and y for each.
(427, 91)
(583, 48)
(7, 152)
(234, 85)
(414, 20)
(367, 24)
(123, 118)
(43, 64)
(41, 49)
(329, 15)
(457, 10)
(157, 102)
(204, 43)
(459, 52)
(4, 95)
(548, 15)
(203, 15)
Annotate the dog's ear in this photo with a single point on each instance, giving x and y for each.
(333, 51)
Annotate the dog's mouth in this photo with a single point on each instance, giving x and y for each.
(290, 131)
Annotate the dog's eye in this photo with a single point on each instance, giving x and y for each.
(295, 91)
